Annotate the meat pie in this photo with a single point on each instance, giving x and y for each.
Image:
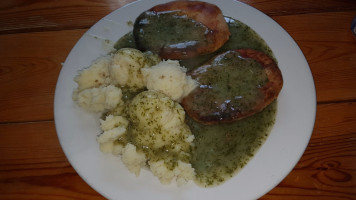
(181, 29)
(233, 85)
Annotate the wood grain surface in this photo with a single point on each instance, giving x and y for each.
(37, 35)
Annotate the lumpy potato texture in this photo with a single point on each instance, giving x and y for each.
(158, 121)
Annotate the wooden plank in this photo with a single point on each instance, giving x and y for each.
(330, 51)
(33, 15)
(327, 169)
(32, 61)
(43, 15)
(28, 73)
(290, 7)
(32, 165)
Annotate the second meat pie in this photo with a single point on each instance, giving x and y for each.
(233, 85)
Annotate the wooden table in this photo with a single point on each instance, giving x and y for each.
(36, 36)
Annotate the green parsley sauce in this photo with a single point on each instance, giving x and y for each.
(220, 151)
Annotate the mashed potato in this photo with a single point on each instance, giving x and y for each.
(159, 130)
(113, 127)
(112, 121)
(147, 129)
(98, 99)
(120, 69)
(183, 172)
(158, 122)
(126, 67)
(170, 78)
(133, 159)
(96, 75)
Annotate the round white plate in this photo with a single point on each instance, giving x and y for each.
(289, 137)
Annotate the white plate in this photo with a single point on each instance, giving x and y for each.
(77, 129)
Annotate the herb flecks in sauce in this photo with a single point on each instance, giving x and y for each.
(242, 36)
(130, 23)
(222, 150)
(126, 41)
